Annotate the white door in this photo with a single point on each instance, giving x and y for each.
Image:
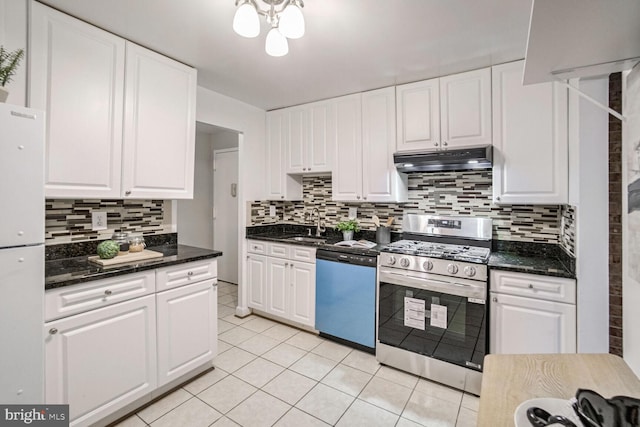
(278, 283)
(256, 277)
(101, 360)
(187, 329)
(303, 293)
(418, 109)
(346, 182)
(225, 206)
(296, 140)
(321, 136)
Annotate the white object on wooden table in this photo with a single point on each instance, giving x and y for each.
(126, 258)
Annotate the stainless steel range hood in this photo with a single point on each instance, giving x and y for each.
(444, 160)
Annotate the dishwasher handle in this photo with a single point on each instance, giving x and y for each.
(347, 258)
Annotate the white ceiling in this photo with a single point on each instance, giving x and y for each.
(349, 45)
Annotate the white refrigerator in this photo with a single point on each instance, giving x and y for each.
(21, 255)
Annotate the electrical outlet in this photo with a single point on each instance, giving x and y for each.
(272, 210)
(98, 221)
(353, 213)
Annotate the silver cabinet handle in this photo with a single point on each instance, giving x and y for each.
(53, 331)
(127, 193)
(108, 292)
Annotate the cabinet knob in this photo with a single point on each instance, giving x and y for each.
(435, 144)
(190, 274)
(494, 299)
(286, 264)
(358, 197)
(255, 248)
(364, 197)
(530, 286)
(444, 143)
(127, 193)
(308, 169)
(247, 256)
(282, 197)
(53, 331)
(108, 292)
(498, 198)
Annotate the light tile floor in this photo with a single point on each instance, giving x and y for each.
(270, 374)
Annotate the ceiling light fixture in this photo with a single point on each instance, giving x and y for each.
(287, 22)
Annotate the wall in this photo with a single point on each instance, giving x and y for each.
(69, 221)
(443, 193)
(631, 219)
(195, 225)
(222, 111)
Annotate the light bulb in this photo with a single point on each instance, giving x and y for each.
(276, 44)
(292, 22)
(246, 21)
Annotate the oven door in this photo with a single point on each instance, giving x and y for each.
(436, 316)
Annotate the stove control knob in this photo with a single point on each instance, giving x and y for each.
(452, 268)
(404, 262)
(391, 260)
(427, 265)
(470, 271)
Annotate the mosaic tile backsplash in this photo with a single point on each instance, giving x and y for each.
(443, 193)
(69, 221)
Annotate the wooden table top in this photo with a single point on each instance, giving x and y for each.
(508, 380)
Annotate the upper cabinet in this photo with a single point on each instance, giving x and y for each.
(365, 142)
(103, 142)
(310, 135)
(451, 111)
(280, 185)
(530, 139)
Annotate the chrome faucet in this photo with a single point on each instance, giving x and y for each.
(319, 228)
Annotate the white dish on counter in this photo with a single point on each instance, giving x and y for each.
(552, 405)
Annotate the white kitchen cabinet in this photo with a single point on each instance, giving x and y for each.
(447, 112)
(365, 142)
(531, 314)
(530, 139)
(381, 181)
(101, 360)
(159, 126)
(280, 185)
(256, 281)
(310, 138)
(283, 283)
(187, 329)
(125, 128)
(83, 101)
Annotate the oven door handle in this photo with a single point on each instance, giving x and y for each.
(429, 283)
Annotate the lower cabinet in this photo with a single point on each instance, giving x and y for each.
(187, 329)
(101, 360)
(531, 314)
(104, 357)
(282, 285)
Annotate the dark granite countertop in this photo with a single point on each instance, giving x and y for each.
(70, 271)
(533, 258)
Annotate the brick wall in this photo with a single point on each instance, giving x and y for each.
(615, 217)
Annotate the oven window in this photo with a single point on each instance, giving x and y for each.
(457, 337)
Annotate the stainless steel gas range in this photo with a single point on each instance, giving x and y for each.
(432, 293)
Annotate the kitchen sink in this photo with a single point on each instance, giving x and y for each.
(317, 240)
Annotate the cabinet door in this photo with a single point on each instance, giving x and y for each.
(187, 329)
(280, 186)
(303, 293)
(296, 140)
(101, 360)
(83, 102)
(418, 112)
(527, 325)
(347, 168)
(278, 283)
(381, 181)
(530, 139)
(465, 109)
(256, 279)
(159, 127)
(321, 136)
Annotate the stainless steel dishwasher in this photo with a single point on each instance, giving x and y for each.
(346, 298)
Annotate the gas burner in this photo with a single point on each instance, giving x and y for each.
(439, 250)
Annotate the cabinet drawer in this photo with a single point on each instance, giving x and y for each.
(79, 298)
(301, 253)
(185, 274)
(278, 250)
(534, 286)
(256, 247)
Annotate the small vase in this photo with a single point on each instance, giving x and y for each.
(347, 235)
(4, 94)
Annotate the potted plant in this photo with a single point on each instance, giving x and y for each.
(348, 227)
(9, 62)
